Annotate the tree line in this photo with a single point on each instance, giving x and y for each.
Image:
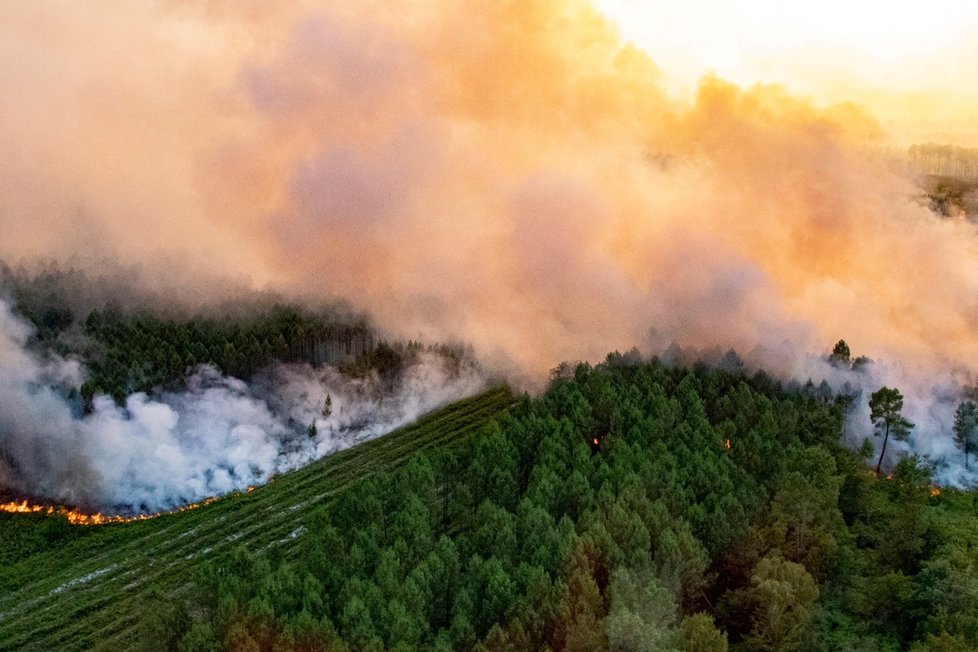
(147, 347)
(946, 160)
(142, 352)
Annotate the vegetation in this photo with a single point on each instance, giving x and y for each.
(885, 411)
(965, 427)
(951, 181)
(142, 352)
(841, 355)
(946, 160)
(631, 507)
(148, 348)
(65, 587)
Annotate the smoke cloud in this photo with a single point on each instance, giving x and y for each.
(508, 174)
(218, 436)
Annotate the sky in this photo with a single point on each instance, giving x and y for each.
(911, 63)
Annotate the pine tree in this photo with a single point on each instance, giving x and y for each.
(841, 356)
(885, 408)
(965, 424)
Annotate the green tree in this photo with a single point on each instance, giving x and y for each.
(680, 561)
(580, 615)
(164, 625)
(701, 635)
(846, 400)
(642, 614)
(496, 591)
(965, 425)
(804, 516)
(885, 407)
(861, 364)
(943, 642)
(841, 355)
(200, 638)
(784, 596)
(357, 624)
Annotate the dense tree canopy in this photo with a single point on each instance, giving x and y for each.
(716, 512)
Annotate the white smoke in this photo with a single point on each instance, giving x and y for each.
(218, 436)
(929, 402)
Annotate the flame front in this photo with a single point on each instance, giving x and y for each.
(76, 517)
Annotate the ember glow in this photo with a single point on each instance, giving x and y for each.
(76, 517)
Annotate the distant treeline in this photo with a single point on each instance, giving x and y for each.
(138, 347)
(946, 160)
(141, 352)
(633, 507)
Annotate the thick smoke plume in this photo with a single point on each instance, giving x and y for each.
(506, 173)
(220, 435)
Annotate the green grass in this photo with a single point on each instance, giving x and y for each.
(89, 591)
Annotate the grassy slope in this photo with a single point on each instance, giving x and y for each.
(88, 592)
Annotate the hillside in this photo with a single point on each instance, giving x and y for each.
(91, 587)
(633, 506)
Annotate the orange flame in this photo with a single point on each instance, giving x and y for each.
(76, 517)
(935, 491)
(596, 441)
(726, 444)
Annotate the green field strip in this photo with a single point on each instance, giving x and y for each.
(343, 472)
(122, 561)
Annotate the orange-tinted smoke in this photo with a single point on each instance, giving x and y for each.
(506, 173)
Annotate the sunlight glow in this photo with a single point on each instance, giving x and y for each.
(909, 62)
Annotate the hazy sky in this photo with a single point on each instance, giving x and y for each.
(507, 173)
(912, 63)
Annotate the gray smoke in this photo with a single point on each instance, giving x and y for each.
(220, 435)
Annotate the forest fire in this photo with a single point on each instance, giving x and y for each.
(726, 444)
(595, 445)
(76, 517)
(934, 490)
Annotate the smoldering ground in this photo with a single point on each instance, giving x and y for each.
(523, 183)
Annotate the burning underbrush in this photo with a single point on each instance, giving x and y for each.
(79, 517)
(173, 449)
(91, 515)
